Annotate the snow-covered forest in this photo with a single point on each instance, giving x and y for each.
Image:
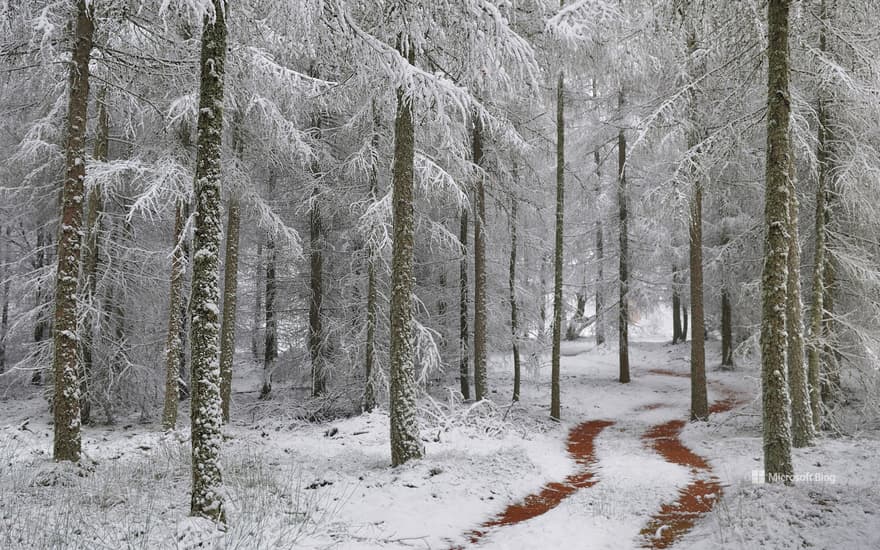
(447, 274)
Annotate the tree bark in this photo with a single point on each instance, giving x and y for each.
(230, 300)
(774, 339)
(4, 312)
(814, 347)
(67, 371)
(726, 325)
(555, 397)
(89, 271)
(41, 325)
(316, 268)
(270, 348)
(677, 333)
(173, 342)
(463, 332)
(406, 444)
(372, 254)
(257, 336)
(514, 321)
(600, 247)
(623, 307)
(699, 398)
(480, 306)
(206, 403)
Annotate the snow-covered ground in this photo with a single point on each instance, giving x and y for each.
(296, 485)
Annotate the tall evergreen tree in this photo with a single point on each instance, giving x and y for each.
(206, 403)
(774, 279)
(66, 367)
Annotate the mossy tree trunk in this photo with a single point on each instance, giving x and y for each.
(406, 444)
(774, 279)
(66, 367)
(206, 412)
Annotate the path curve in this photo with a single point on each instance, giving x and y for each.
(581, 447)
(673, 520)
(697, 499)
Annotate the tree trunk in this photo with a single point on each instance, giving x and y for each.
(316, 267)
(555, 398)
(206, 404)
(481, 389)
(684, 322)
(699, 399)
(270, 348)
(182, 385)
(600, 250)
(726, 328)
(230, 299)
(774, 339)
(677, 333)
(623, 307)
(372, 254)
(89, 272)
(814, 348)
(405, 442)
(4, 311)
(801, 415)
(514, 321)
(40, 327)
(257, 337)
(173, 342)
(67, 445)
(463, 332)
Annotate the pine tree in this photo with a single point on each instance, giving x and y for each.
(66, 367)
(699, 399)
(774, 280)
(480, 303)
(511, 285)
(463, 332)
(230, 301)
(173, 341)
(555, 397)
(405, 442)
(622, 227)
(206, 404)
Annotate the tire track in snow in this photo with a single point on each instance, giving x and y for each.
(582, 448)
(697, 499)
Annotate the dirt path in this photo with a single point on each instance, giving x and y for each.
(673, 520)
(581, 448)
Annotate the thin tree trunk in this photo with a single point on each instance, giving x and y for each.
(40, 327)
(182, 385)
(406, 444)
(316, 267)
(90, 259)
(801, 415)
(481, 389)
(206, 403)
(699, 398)
(684, 322)
(555, 397)
(463, 332)
(372, 253)
(600, 248)
(623, 307)
(4, 312)
(676, 305)
(726, 322)
(774, 339)
(511, 283)
(257, 339)
(230, 299)
(173, 342)
(814, 347)
(67, 445)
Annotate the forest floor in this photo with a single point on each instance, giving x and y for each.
(291, 484)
